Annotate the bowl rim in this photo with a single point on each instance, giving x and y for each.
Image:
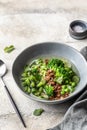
(44, 100)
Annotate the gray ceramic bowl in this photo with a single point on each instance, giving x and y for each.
(51, 49)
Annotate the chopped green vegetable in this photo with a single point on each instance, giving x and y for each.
(41, 83)
(32, 84)
(49, 90)
(55, 63)
(60, 80)
(38, 112)
(45, 96)
(41, 89)
(29, 90)
(9, 49)
(33, 90)
(49, 78)
(37, 93)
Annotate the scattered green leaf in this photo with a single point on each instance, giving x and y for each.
(38, 112)
(9, 49)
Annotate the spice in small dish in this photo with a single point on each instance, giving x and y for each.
(78, 28)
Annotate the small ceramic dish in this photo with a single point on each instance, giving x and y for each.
(78, 29)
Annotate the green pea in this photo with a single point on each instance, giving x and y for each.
(66, 90)
(62, 92)
(73, 84)
(63, 86)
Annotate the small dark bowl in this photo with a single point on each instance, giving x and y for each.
(74, 29)
(51, 49)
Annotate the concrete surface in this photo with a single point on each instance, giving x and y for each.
(27, 22)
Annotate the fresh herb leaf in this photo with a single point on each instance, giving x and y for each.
(9, 49)
(38, 112)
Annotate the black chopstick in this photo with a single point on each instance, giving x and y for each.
(14, 105)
